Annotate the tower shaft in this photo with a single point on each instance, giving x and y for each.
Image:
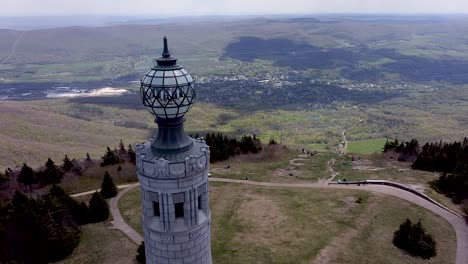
(176, 214)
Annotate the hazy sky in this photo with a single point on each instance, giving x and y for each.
(227, 7)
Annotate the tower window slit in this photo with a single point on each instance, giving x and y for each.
(200, 202)
(156, 209)
(179, 210)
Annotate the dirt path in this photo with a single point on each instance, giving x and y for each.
(13, 48)
(330, 169)
(344, 143)
(339, 243)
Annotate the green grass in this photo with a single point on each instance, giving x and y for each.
(91, 178)
(255, 167)
(367, 146)
(102, 244)
(33, 131)
(275, 164)
(278, 225)
(382, 167)
(374, 244)
(130, 208)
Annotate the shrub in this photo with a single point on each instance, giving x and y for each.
(78, 211)
(98, 209)
(108, 188)
(413, 239)
(37, 230)
(141, 256)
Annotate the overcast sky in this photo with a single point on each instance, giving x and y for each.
(228, 7)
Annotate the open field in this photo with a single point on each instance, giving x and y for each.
(100, 244)
(91, 178)
(382, 167)
(32, 132)
(276, 164)
(275, 225)
(367, 146)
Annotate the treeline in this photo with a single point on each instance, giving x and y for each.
(42, 228)
(222, 147)
(443, 156)
(45, 229)
(117, 156)
(407, 151)
(451, 158)
(30, 179)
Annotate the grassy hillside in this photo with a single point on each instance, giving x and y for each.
(274, 225)
(31, 132)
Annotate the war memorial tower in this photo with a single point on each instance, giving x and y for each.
(173, 171)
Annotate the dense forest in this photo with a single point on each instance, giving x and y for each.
(450, 158)
(39, 221)
(46, 228)
(407, 151)
(222, 147)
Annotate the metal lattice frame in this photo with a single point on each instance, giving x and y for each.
(168, 93)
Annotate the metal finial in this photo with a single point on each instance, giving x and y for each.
(166, 53)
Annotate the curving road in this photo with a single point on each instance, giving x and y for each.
(458, 223)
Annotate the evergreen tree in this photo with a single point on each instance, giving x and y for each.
(131, 154)
(78, 211)
(67, 164)
(122, 150)
(98, 209)
(51, 174)
(108, 188)
(88, 157)
(27, 177)
(81, 214)
(63, 234)
(222, 147)
(5, 229)
(413, 239)
(26, 240)
(451, 159)
(141, 256)
(110, 158)
(4, 178)
(39, 231)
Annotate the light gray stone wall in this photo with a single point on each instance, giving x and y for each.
(165, 181)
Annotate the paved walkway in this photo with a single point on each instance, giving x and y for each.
(98, 190)
(118, 222)
(459, 224)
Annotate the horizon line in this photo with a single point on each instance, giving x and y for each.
(233, 15)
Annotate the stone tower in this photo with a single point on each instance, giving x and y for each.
(173, 171)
